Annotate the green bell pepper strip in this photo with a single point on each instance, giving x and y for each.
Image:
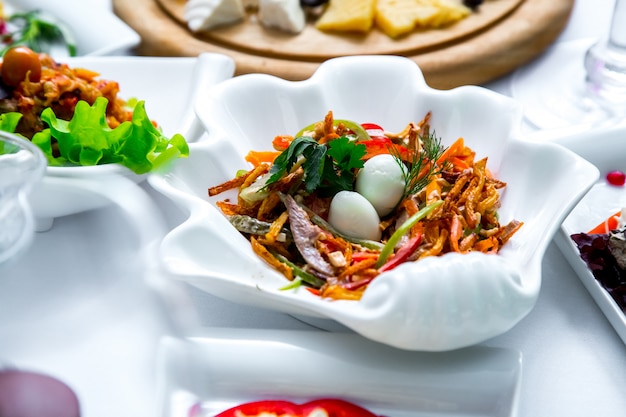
(404, 229)
(358, 130)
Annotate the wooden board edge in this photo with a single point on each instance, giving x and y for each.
(531, 28)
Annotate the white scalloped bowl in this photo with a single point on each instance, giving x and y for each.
(65, 191)
(436, 304)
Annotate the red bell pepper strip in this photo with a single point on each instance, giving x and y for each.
(361, 256)
(336, 408)
(332, 407)
(374, 130)
(402, 254)
(383, 145)
(256, 408)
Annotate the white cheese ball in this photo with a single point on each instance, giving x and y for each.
(381, 182)
(351, 214)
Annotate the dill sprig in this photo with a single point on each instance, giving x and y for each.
(419, 171)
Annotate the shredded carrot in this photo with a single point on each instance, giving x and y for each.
(459, 163)
(433, 191)
(452, 150)
(257, 158)
(282, 142)
(270, 259)
(611, 223)
(277, 226)
(338, 292)
(489, 245)
(228, 185)
(358, 266)
(456, 232)
(361, 255)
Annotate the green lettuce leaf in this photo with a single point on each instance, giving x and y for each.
(87, 139)
(8, 123)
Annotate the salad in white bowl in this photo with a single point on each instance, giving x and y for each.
(99, 120)
(446, 299)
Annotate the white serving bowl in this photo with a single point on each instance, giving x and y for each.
(436, 304)
(65, 191)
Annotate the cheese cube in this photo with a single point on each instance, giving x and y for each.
(347, 16)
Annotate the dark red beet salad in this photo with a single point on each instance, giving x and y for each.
(605, 255)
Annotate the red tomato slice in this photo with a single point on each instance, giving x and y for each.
(333, 407)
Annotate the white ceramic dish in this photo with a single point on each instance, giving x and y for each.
(458, 300)
(209, 373)
(70, 190)
(606, 149)
(97, 31)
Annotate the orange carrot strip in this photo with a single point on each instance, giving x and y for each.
(282, 142)
(256, 158)
(459, 163)
(455, 149)
(607, 225)
(264, 254)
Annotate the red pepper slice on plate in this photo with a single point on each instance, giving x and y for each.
(332, 407)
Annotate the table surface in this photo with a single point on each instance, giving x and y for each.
(83, 303)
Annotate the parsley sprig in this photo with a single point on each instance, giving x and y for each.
(328, 168)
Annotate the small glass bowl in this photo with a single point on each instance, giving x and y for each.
(22, 165)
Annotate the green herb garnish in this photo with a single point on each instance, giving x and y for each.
(87, 139)
(329, 168)
(37, 31)
(415, 177)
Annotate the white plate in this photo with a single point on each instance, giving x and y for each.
(605, 148)
(226, 367)
(97, 31)
(458, 300)
(168, 86)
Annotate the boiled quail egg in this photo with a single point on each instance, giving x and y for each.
(381, 182)
(351, 214)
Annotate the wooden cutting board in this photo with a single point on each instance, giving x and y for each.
(501, 36)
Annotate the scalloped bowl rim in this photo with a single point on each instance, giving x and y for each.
(88, 171)
(395, 308)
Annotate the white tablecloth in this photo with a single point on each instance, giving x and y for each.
(79, 304)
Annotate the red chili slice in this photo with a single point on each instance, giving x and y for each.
(374, 130)
(333, 407)
(402, 254)
(371, 126)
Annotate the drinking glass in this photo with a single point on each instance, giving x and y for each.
(578, 88)
(22, 165)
